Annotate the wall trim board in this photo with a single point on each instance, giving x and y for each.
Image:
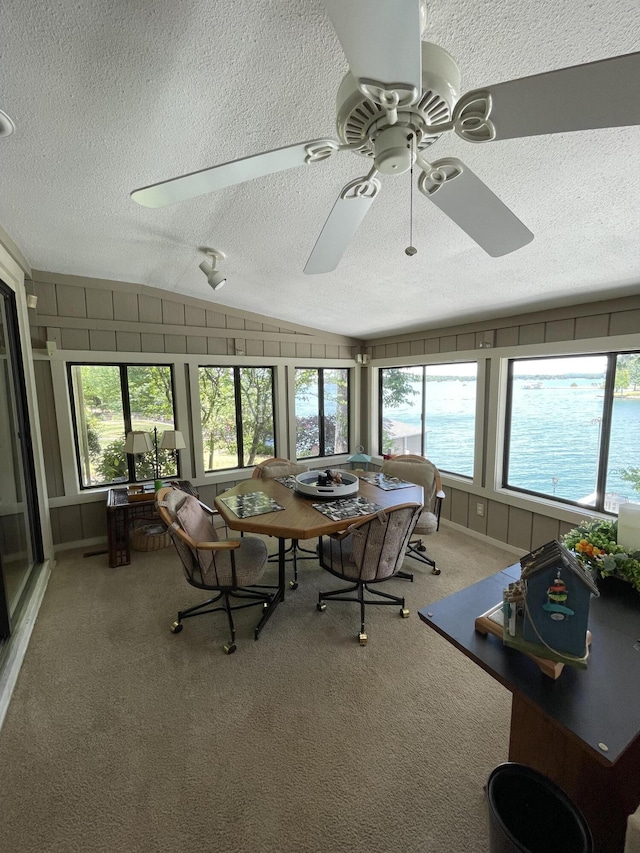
(56, 322)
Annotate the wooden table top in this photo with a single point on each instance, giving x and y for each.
(299, 520)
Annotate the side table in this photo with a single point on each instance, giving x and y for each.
(120, 512)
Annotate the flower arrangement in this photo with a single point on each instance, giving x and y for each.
(595, 544)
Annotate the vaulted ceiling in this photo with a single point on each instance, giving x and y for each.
(109, 97)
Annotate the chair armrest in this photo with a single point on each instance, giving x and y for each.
(341, 534)
(225, 545)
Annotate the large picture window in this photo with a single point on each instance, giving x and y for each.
(430, 410)
(573, 429)
(322, 411)
(237, 416)
(110, 400)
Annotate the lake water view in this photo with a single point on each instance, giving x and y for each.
(555, 435)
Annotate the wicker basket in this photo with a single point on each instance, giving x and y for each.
(148, 536)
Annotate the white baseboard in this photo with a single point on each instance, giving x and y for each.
(519, 552)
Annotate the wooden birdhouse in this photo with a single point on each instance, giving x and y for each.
(557, 592)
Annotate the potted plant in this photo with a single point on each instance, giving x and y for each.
(595, 544)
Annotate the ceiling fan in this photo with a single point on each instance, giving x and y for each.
(399, 97)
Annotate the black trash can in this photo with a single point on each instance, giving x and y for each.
(528, 813)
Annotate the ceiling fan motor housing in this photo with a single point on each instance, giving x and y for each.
(364, 123)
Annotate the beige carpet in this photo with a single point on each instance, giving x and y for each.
(124, 737)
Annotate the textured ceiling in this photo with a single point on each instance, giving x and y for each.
(108, 97)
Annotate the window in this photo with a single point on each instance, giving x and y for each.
(237, 416)
(322, 411)
(573, 429)
(430, 410)
(110, 400)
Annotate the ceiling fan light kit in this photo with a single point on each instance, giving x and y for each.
(6, 125)
(399, 98)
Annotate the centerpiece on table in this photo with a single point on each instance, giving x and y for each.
(595, 544)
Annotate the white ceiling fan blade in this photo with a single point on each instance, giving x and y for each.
(233, 172)
(380, 39)
(454, 188)
(344, 220)
(582, 97)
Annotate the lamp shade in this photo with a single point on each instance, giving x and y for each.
(138, 442)
(172, 439)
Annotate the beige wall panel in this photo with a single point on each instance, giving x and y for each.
(217, 346)
(477, 522)
(497, 520)
(303, 350)
(287, 349)
(466, 341)
(507, 337)
(99, 304)
(446, 504)
(128, 342)
(404, 348)
(416, 347)
(234, 322)
(431, 345)
(318, 351)
(559, 330)
(216, 320)
(447, 343)
(94, 519)
(391, 350)
(267, 328)
(150, 309)
(70, 521)
(255, 347)
(74, 339)
(459, 507)
(564, 527)
(172, 313)
(125, 306)
(331, 351)
(48, 429)
(175, 343)
(236, 346)
(71, 301)
(252, 326)
(104, 341)
(520, 526)
(196, 344)
(194, 316)
(272, 349)
(208, 493)
(531, 333)
(47, 302)
(38, 336)
(379, 351)
(544, 529)
(151, 342)
(595, 326)
(624, 322)
(55, 526)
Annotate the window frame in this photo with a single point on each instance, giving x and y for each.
(126, 413)
(605, 436)
(236, 368)
(480, 394)
(321, 414)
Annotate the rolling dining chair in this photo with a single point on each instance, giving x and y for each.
(420, 470)
(280, 467)
(367, 553)
(231, 568)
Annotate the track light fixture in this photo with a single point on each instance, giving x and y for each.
(215, 278)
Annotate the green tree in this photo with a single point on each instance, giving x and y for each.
(630, 475)
(398, 386)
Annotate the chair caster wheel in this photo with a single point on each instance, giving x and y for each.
(422, 547)
(321, 606)
(362, 639)
(229, 648)
(435, 571)
(176, 627)
(404, 612)
(265, 605)
(293, 584)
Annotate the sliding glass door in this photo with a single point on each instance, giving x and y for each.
(20, 536)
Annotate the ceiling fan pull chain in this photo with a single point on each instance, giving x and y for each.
(411, 249)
